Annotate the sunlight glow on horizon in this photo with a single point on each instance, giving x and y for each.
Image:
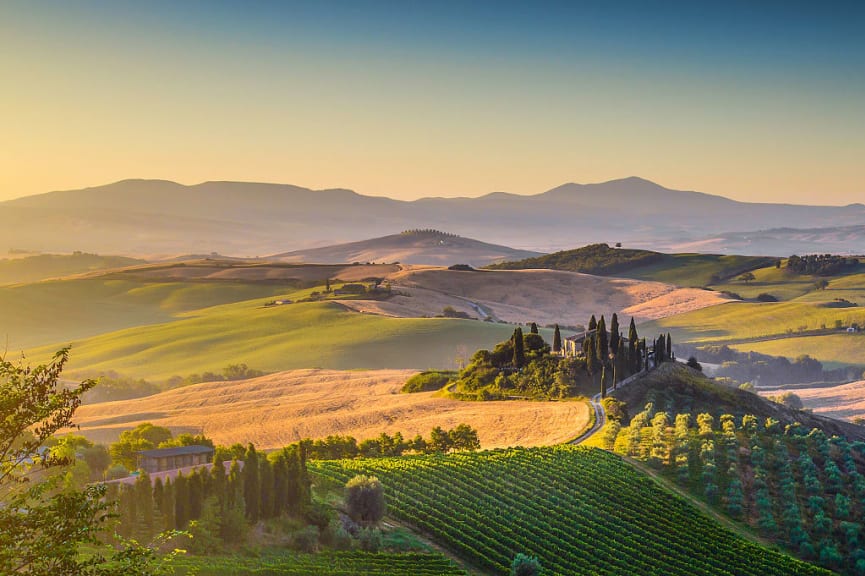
(444, 101)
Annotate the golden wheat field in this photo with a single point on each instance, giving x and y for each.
(280, 408)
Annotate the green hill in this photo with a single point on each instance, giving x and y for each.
(679, 269)
(579, 510)
(300, 335)
(793, 477)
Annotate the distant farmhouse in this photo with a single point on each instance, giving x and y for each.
(163, 459)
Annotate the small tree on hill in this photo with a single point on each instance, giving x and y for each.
(364, 498)
(557, 340)
(747, 277)
(614, 333)
(524, 565)
(593, 324)
(533, 328)
(668, 348)
(602, 351)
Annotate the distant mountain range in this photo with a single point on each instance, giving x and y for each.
(148, 217)
(411, 247)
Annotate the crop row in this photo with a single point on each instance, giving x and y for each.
(321, 564)
(581, 511)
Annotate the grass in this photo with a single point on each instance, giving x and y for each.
(304, 335)
(834, 351)
(695, 269)
(65, 310)
(737, 321)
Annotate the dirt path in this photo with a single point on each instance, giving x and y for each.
(600, 419)
(427, 539)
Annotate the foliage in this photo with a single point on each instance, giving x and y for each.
(428, 381)
(597, 259)
(325, 563)
(794, 485)
(145, 436)
(451, 312)
(788, 399)
(525, 566)
(364, 499)
(580, 511)
(43, 523)
(820, 264)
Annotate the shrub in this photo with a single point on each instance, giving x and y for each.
(692, 362)
(525, 566)
(428, 381)
(766, 297)
(365, 499)
(370, 539)
(305, 539)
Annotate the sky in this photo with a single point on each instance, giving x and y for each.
(758, 101)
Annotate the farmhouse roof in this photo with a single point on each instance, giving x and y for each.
(176, 451)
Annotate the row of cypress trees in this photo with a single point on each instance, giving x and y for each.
(246, 491)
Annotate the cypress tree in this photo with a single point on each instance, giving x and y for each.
(181, 501)
(669, 347)
(195, 494)
(533, 328)
(589, 348)
(168, 521)
(593, 324)
(603, 382)
(633, 347)
(280, 483)
(265, 475)
(519, 359)
(614, 334)
(144, 505)
(251, 484)
(128, 512)
(603, 346)
(557, 340)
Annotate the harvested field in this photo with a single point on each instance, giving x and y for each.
(278, 409)
(844, 401)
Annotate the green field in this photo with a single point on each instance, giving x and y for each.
(834, 351)
(321, 564)
(303, 335)
(579, 510)
(65, 310)
(696, 269)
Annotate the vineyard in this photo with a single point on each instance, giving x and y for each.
(321, 564)
(794, 485)
(579, 510)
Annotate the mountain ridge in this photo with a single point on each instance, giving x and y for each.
(153, 217)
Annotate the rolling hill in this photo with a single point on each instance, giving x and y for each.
(275, 410)
(147, 217)
(32, 268)
(429, 247)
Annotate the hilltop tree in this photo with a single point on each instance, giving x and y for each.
(519, 359)
(633, 347)
(747, 277)
(593, 324)
(557, 340)
(533, 328)
(668, 348)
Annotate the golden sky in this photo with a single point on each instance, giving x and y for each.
(447, 102)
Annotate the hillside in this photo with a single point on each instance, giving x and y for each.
(679, 269)
(153, 217)
(278, 409)
(543, 296)
(429, 247)
(32, 268)
(841, 401)
(579, 510)
(792, 477)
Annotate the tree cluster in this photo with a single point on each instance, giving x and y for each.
(821, 264)
(335, 447)
(216, 502)
(597, 259)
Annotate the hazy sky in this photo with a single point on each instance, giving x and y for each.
(755, 100)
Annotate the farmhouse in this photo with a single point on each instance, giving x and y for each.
(573, 345)
(163, 459)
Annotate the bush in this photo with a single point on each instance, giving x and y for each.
(788, 399)
(428, 381)
(364, 499)
(451, 312)
(525, 566)
(766, 297)
(370, 539)
(692, 362)
(305, 539)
